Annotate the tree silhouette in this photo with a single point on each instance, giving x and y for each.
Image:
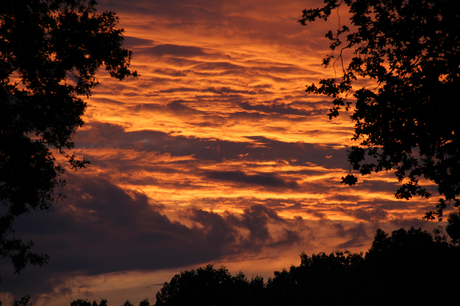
(81, 302)
(320, 279)
(103, 302)
(405, 268)
(208, 287)
(408, 121)
(414, 266)
(453, 227)
(24, 301)
(50, 51)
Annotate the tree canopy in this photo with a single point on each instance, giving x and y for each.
(398, 269)
(407, 120)
(50, 51)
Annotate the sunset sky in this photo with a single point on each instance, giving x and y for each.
(215, 154)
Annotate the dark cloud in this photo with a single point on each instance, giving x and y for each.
(102, 228)
(134, 42)
(289, 238)
(393, 205)
(256, 218)
(227, 20)
(317, 213)
(176, 107)
(343, 198)
(262, 179)
(368, 214)
(356, 235)
(218, 230)
(173, 50)
(412, 222)
(274, 108)
(181, 109)
(172, 72)
(226, 229)
(258, 148)
(219, 91)
(219, 66)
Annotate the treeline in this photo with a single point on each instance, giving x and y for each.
(408, 267)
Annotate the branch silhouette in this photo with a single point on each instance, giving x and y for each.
(409, 122)
(50, 51)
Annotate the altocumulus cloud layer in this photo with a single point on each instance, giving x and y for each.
(214, 155)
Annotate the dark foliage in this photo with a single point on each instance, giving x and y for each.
(453, 227)
(208, 287)
(409, 121)
(50, 51)
(81, 302)
(407, 264)
(320, 279)
(397, 270)
(103, 302)
(24, 301)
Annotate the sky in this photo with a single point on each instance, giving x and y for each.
(214, 155)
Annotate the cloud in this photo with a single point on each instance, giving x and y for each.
(173, 50)
(256, 218)
(372, 214)
(357, 235)
(256, 148)
(289, 238)
(135, 42)
(229, 229)
(274, 108)
(103, 228)
(415, 222)
(176, 108)
(219, 91)
(261, 179)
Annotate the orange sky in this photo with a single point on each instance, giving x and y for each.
(215, 154)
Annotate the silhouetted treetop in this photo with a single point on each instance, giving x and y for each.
(408, 267)
(81, 302)
(409, 120)
(50, 51)
(208, 286)
(103, 302)
(320, 278)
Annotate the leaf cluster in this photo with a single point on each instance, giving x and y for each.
(409, 122)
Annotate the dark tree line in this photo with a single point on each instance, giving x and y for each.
(405, 268)
(408, 267)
